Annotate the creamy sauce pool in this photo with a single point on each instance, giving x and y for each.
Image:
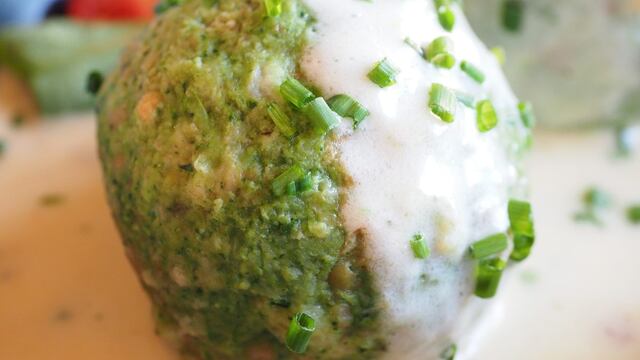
(414, 173)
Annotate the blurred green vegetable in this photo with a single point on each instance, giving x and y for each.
(55, 57)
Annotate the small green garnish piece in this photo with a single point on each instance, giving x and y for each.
(304, 184)
(3, 147)
(294, 92)
(419, 247)
(300, 330)
(322, 117)
(489, 246)
(94, 82)
(512, 14)
(593, 200)
(446, 17)
(522, 228)
(346, 106)
(443, 102)
(521, 217)
(596, 198)
(51, 199)
(488, 275)
(522, 245)
(445, 61)
(486, 117)
(439, 45)
(633, 214)
(282, 121)
(273, 7)
(438, 52)
(291, 175)
(526, 114)
(473, 72)
(449, 353)
(500, 55)
(383, 74)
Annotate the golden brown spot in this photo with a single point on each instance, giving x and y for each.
(117, 116)
(147, 107)
(341, 277)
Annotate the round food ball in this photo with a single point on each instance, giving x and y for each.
(587, 51)
(309, 162)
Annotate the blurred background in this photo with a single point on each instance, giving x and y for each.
(67, 292)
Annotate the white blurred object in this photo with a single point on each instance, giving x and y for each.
(578, 61)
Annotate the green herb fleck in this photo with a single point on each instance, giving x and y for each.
(300, 330)
(94, 82)
(633, 214)
(51, 199)
(512, 14)
(449, 353)
(383, 74)
(486, 116)
(419, 246)
(594, 201)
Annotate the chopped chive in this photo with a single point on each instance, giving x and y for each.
(383, 74)
(522, 245)
(282, 121)
(446, 17)
(291, 175)
(305, 184)
(273, 7)
(290, 189)
(439, 45)
(512, 14)
(488, 275)
(3, 147)
(596, 198)
(419, 247)
(51, 199)
(94, 82)
(346, 106)
(526, 114)
(521, 217)
(489, 246)
(473, 72)
(296, 93)
(443, 102)
(449, 353)
(444, 60)
(486, 116)
(633, 214)
(300, 330)
(500, 55)
(322, 117)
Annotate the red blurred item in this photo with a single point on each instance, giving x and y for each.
(111, 9)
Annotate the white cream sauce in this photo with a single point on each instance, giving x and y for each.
(412, 172)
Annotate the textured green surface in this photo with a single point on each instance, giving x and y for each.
(189, 153)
